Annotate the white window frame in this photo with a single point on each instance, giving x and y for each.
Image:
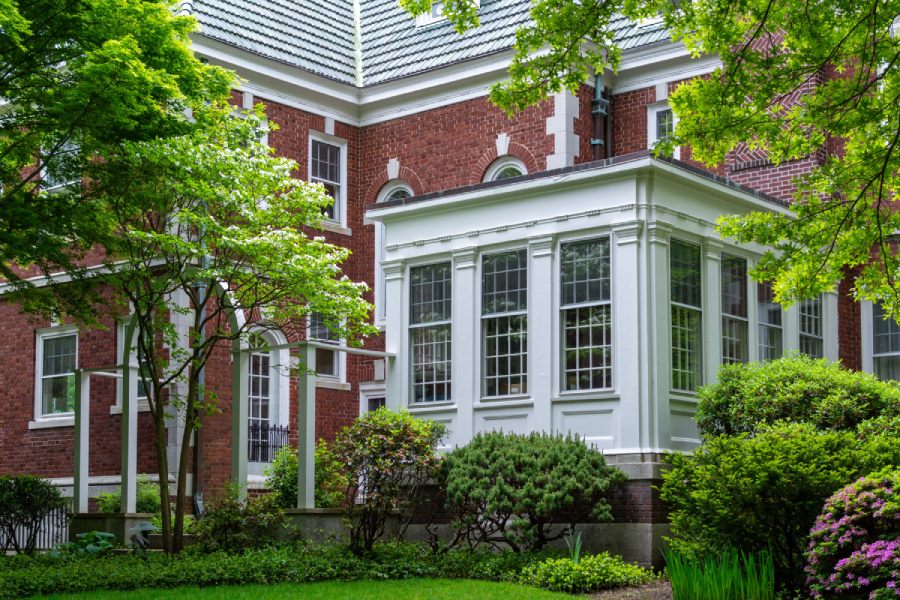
(389, 188)
(436, 14)
(652, 134)
(340, 203)
(867, 331)
(482, 318)
(765, 325)
(701, 309)
(823, 317)
(340, 361)
(370, 391)
(413, 326)
(745, 319)
(66, 418)
(501, 163)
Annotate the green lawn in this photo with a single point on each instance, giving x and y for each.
(409, 589)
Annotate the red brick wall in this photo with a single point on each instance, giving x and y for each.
(49, 452)
(849, 325)
(630, 120)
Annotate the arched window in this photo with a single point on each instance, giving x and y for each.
(268, 407)
(394, 190)
(505, 167)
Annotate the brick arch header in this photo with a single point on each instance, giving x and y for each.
(515, 150)
(406, 174)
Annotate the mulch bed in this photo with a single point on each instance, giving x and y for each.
(660, 590)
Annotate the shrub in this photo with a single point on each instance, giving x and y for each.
(511, 489)
(764, 492)
(854, 547)
(590, 574)
(147, 500)
(732, 574)
(234, 524)
(25, 501)
(388, 457)
(797, 389)
(331, 477)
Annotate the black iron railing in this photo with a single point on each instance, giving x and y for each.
(53, 530)
(264, 441)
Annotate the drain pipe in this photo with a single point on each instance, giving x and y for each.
(601, 109)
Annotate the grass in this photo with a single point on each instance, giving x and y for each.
(408, 589)
(732, 575)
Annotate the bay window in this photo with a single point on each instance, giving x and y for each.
(734, 309)
(811, 336)
(771, 343)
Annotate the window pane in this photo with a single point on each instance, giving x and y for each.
(318, 330)
(430, 348)
(734, 286)
(507, 173)
(587, 339)
(505, 355)
(811, 342)
(771, 346)
(59, 354)
(58, 394)
(585, 272)
(504, 282)
(430, 293)
(685, 273)
(665, 124)
(326, 162)
(886, 332)
(888, 367)
(686, 348)
(734, 340)
(326, 362)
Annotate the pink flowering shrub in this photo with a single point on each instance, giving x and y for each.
(854, 547)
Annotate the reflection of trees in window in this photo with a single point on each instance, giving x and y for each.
(504, 306)
(429, 332)
(684, 266)
(771, 344)
(734, 309)
(811, 339)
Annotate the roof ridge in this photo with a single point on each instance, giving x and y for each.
(357, 43)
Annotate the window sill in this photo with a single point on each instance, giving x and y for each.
(431, 407)
(335, 227)
(503, 402)
(116, 409)
(333, 384)
(51, 423)
(580, 395)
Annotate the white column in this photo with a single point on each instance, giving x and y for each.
(239, 417)
(82, 440)
(830, 325)
(752, 316)
(626, 320)
(867, 333)
(791, 335)
(656, 428)
(541, 316)
(465, 345)
(129, 437)
(395, 331)
(712, 310)
(306, 429)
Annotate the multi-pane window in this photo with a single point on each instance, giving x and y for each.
(59, 359)
(504, 322)
(586, 315)
(327, 361)
(885, 345)
(58, 170)
(811, 340)
(687, 315)
(429, 332)
(259, 399)
(734, 309)
(325, 168)
(771, 345)
(665, 123)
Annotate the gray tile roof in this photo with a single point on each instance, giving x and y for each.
(320, 35)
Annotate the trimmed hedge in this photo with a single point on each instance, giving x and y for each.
(302, 563)
(590, 574)
(795, 388)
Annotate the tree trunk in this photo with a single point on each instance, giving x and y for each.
(190, 418)
(162, 466)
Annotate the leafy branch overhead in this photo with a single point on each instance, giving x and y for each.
(796, 80)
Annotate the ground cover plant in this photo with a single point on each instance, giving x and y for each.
(796, 388)
(764, 492)
(298, 563)
(508, 490)
(732, 575)
(432, 589)
(854, 547)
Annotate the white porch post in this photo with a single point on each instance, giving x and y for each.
(394, 335)
(656, 424)
(239, 407)
(306, 429)
(712, 310)
(82, 439)
(129, 423)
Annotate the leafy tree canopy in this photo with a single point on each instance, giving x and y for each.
(75, 77)
(796, 77)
